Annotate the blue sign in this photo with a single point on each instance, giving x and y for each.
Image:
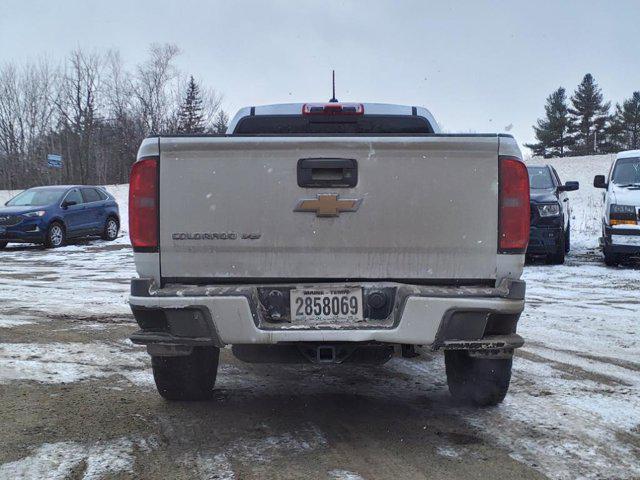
(54, 161)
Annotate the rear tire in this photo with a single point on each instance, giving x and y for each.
(3, 245)
(55, 236)
(611, 259)
(111, 229)
(480, 381)
(189, 377)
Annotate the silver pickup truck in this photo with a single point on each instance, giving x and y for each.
(329, 233)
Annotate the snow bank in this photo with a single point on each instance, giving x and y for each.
(121, 194)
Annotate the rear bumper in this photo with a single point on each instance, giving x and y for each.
(624, 241)
(442, 317)
(544, 240)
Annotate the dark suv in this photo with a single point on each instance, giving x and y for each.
(550, 233)
(51, 215)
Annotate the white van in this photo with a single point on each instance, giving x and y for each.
(621, 217)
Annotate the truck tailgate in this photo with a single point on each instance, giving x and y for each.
(427, 208)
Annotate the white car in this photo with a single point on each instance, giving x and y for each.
(621, 217)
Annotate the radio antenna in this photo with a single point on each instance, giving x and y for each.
(333, 82)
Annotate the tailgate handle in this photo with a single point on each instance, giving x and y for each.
(327, 172)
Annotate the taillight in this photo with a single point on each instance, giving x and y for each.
(143, 205)
(514, 214)
(332, 109)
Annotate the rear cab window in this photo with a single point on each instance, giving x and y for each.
(351, 125)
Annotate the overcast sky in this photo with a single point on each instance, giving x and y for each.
(478, 66)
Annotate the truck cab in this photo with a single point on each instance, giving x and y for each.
(329, 233)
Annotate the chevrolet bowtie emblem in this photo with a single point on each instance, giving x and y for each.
(328, 205)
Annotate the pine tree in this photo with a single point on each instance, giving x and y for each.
(624, 130)
(589, 117)
(552, 131)
(221, 122)
(190, 116)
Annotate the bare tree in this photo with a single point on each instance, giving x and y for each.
(92, 111)
(126, 129)
(118, 87)
(26, 115)
(78, 106)
(153, 86)
(11, 137)
(211, 106)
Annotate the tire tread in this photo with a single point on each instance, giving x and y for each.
(480, 381)
(189, 377)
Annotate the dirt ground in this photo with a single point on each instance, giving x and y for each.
(78, 399)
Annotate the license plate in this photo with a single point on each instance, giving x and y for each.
(326, 305)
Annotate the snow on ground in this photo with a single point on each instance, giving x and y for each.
(573, 410)
(69, 362)
(63, 460)
(85, 278)
(344, 475)
(582, 327)
(218, 464)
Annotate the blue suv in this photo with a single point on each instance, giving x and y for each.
(52, 215)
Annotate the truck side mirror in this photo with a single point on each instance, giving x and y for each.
(569, 187)
(599, 181)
